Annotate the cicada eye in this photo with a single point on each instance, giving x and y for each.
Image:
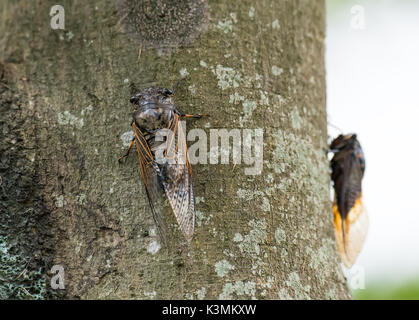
(136, 98)
(167, 92)
(338, 143)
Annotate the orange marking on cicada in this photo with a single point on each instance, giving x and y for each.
(173, 126)
(145, 150)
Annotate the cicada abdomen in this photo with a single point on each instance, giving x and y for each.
(350, 216)
(164, 163)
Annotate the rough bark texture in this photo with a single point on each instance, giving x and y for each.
(65, 199)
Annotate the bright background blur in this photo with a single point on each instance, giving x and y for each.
(373, 90)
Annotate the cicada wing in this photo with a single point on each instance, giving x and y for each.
(177, 180)
(351, 232)
(151, 176)
(350, 217)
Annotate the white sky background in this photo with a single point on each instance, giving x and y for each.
(373, 90)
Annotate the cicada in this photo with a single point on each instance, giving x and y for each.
(350, 217)
(163, 157)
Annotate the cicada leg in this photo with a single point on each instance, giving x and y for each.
(127, 153)
(193, 116)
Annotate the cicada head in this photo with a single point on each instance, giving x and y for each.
(152, 95)
(153, 108)
(343, 142)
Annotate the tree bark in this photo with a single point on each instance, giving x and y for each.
(65, 109)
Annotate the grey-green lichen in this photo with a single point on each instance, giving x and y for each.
(199, 199)
(276, 25)
(189, 296)
(270, 281)
(81, 199)
(238, 289)
(203, 64)
(251, 12)
(223, 267)
(66, 118)
(150, 294)
(301, 292)
(266, 206)
(183, 72)
(227, 77)
(68, 36)
(320, 260)
(264, 98)
(200, 293)
(236, 98)
(249, 107)
(238, 237)
(276, 71)
(301, 161)
(226, 25)
(331, 294)
(60, 201)
(256, 236)
(284, 295)
(89, 108)
(279, 235)
(250, 246)
(192, 89)
(126, 138)
(248, 194)
(153, 247)
(295, 119)
(201, 218)
(17, 279)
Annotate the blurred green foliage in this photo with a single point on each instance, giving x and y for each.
(336, 5)
(408, 290)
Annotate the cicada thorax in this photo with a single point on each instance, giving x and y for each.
(350, 217)
(154, 121)
(154, 115)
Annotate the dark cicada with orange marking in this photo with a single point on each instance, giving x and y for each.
(163, 156)
(350, 217)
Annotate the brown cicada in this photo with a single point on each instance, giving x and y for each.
(163, 155)
(350, 217)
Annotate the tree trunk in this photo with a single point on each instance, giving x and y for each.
(65, 121)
